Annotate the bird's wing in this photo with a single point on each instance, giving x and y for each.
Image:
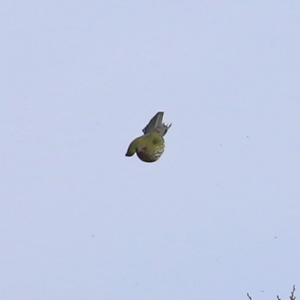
(155, 122)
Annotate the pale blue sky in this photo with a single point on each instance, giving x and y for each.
(216, 217)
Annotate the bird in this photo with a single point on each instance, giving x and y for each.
(150, 146)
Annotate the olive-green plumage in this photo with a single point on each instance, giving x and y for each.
(150, 146)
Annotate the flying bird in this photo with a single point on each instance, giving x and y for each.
(150, 146)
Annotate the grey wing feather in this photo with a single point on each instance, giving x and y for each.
(157, 124)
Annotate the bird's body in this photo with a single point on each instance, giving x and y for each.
(150, 146)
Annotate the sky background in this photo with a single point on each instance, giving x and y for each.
(216, 217)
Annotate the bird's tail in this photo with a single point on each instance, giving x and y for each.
(157, 125)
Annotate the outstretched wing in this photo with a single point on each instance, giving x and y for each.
(157, 125)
